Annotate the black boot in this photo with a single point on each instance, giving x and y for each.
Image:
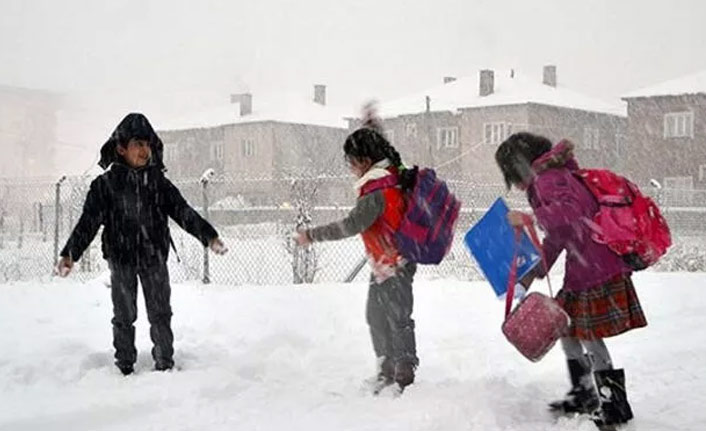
(582, 397)
(386, 371)
(163, 365)
(614, 409)
(385, 375)
(404, 373)
(124, 368)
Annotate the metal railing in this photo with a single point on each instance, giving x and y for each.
(256, 218)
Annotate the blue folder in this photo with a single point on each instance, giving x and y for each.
(491, 241)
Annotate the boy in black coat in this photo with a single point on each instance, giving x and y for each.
(132, 200)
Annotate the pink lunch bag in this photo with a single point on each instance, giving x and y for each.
(538, 321)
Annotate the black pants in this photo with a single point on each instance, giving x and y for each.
(157, 292)
(389, 315)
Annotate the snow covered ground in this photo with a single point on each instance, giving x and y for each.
(293, 358)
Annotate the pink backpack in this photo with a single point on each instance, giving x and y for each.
(627, 221)
(538, 321)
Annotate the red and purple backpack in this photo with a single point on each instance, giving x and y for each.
(426, 231)
(627, 221)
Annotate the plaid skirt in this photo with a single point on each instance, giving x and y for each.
(603, 311)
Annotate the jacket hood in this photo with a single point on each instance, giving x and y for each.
(377, 171)
(134, 125)
(560, 156)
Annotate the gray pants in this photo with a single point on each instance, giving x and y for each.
(596, 351)
(389, 315)
(157, 293)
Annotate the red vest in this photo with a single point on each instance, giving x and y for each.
(379, 238)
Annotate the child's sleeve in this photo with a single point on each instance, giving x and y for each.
(367, 209)
(557, 215)
(89, 223)
(186, 217)
(553, 244)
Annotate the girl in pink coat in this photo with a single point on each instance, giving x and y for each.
(597, 293)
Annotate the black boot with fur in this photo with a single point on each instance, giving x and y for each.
(582, 398)
(614, 409)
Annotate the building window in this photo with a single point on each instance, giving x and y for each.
(248, 148)
(411, 130)
(678, 191)
(679, 125)
(591, 138)
(217, 151)
(495, 133)
(680, 183)
(702, 173)
(447, 137)
(170, 153)
(390, 136)
(619, 146)
(190, 143)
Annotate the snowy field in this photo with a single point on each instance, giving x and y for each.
(294, 358)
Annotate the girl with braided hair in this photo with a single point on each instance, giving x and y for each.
(381, 182)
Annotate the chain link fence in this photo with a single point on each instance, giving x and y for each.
(256, 218)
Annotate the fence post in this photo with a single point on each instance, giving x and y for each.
(204, 194)
(35, 217)
(57, 218)
(22, 232)
(42, 228)
(2, 228)
(658, 190)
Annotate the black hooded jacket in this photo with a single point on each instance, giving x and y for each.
(133, 205)
(134, 125)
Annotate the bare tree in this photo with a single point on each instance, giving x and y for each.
(304, 258)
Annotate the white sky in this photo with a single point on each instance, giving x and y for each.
(166, 57)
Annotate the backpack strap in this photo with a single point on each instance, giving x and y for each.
(381, 183)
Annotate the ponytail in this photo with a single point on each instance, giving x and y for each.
(391, 154)
(369, 142)
(406, 177)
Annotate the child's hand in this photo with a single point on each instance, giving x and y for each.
(517, 218)
(64, 266)
(520, 291)
(528, 279)
(302, 238)
(218, 246)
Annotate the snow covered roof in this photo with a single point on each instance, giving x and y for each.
(287, 108)
(690, 84)
(36, 93)
(464, 93)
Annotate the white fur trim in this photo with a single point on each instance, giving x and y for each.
(376, 171)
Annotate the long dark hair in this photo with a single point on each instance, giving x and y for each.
(516, 154)
(369, 143)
